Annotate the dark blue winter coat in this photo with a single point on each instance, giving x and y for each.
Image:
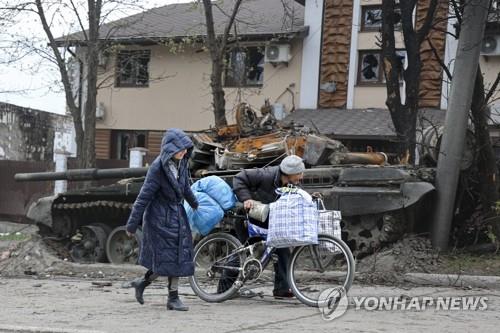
(167, 247)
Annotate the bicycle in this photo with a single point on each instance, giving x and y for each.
(223, 265)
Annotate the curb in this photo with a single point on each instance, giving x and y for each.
(454, 280)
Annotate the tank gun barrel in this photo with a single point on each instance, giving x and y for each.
(82, 174)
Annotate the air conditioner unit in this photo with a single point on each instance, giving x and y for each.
(278, 53)
(100, 111)
(491, 45)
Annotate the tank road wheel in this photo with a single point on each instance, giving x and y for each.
(121, 249)
(90, 246)
(367, 233)
(63, 225)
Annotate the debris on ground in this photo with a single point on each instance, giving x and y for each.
(414, 254)
(411, 254)
(102, 284)
(38, 257)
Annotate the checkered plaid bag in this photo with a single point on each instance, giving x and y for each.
(329, 224)
(293, 221)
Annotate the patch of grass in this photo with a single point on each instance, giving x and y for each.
(13, 236)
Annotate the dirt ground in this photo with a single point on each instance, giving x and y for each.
(73, 305)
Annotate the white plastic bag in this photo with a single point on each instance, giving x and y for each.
(293, 221)
(329, 224)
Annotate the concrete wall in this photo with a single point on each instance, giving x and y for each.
(179, 91)
(33, 135)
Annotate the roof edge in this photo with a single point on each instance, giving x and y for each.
(289, 35)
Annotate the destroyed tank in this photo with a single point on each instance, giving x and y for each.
(378, 205)
(378, 202)
(92, 218)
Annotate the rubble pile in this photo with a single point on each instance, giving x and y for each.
(410, 254)
(258, 141)
(38, 257)
(29, 257)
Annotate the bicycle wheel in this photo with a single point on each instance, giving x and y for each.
(217, 267)
(315, 268)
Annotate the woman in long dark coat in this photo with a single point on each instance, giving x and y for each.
(167, 247)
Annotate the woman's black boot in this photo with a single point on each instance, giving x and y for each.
(174, 302)
(140, 285)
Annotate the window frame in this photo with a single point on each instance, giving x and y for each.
(118, 68)
(364, 28)
(381, 81)
(227, 67)
(133, 136)
(360, 66)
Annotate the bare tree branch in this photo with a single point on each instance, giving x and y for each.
(424, 30)
(229, 25)
(438, 58)
(492, 89)
(75, 10)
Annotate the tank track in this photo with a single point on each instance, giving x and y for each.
(366, 234)
(68, 217)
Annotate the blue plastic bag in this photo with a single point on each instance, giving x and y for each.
(256, 231)
(217, 189)
(208, 214)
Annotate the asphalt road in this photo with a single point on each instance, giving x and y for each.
(77, 306)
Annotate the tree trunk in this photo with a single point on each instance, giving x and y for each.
(219, 102)
(217, 54)
(88, 151)
(79, 136)
(403, 116)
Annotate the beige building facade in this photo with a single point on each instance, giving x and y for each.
(178, 93)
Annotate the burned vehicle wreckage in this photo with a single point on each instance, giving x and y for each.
(379, 202)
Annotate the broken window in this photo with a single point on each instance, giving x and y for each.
(371, 69)
(132, 68)
(245, 67)
(371, 18)
(123, 141)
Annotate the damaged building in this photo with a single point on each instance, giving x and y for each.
(33, 135)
